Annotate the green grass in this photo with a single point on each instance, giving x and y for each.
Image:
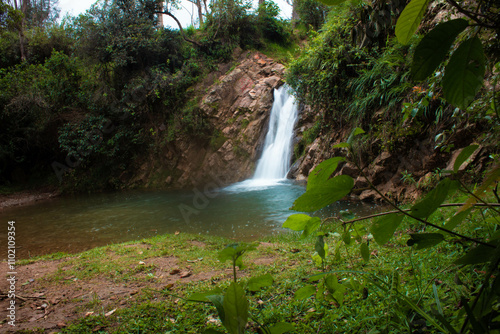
(373, 300)
(281, 53)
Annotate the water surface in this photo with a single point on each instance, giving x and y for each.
(71, 224)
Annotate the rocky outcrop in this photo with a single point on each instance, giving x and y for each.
(237, 106)
(412, 167)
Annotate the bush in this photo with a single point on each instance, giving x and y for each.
(321, 75)
(273, 29)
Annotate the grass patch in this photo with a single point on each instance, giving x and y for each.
(370, 295)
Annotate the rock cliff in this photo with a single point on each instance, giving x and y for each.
(237, 101)
(237, 106)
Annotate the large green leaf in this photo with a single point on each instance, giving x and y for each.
(409, 20)
(433, 200)
(202, 296)
(297, 222)
(463, 156)
(336, 289)
(305, 292)
(281, 327)
(235, 309)
(464, 73)
(365, 251)
(312, 225)
(480, 254)
(218, 301)
(424, 240)
(434, 47)
(320, 247)
(384, 228)
(323, 193)
(257, 283)
(457, 219)
(322, 172)
(234, 253)
(302, 222)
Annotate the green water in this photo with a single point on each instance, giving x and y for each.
(73, 224)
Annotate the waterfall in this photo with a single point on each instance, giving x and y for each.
(277, 152)
(274, 163)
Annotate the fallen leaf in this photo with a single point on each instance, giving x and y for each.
(110, 313)
(142, 262)
(175, 271)
(177, 233)
(61, 324)
(185, 274)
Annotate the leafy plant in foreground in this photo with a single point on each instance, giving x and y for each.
(233, 305)
(480, 313)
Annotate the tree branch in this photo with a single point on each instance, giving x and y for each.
(407, 210)
(180, 28)
(470, 15)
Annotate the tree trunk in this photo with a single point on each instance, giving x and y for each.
(295, 15)
(166, 12)
(200, 11)
(23, 6)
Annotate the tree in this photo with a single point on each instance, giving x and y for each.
(166, 7)
(200, 10)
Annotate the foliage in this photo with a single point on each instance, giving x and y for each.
(33, 97)
(321, 75)
(233, 306)
(465, 70)
(273, 28)
(312, 13)
(230, 24)
(383, 83)
(479, 313)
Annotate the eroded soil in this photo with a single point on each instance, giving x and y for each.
(47, 299)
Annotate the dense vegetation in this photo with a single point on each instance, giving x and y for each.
(93, 89)
(90, 91)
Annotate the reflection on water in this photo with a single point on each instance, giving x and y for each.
(79, 223)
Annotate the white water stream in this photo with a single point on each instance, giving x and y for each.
(275, 160)
(274, 163)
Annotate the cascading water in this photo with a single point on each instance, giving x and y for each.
(274, 163)
(275, 160)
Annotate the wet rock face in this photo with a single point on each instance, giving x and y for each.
(400, 175)
(237, 105)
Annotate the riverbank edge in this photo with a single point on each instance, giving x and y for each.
(28, 197)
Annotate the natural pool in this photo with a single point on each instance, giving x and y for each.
(73, 224)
